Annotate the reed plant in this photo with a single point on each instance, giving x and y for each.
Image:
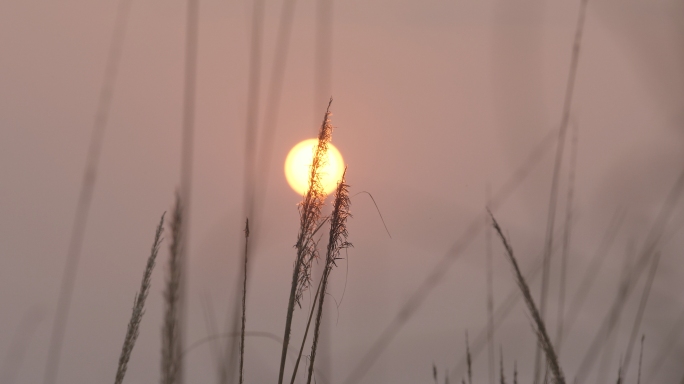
(139, 306)
(336, 243)
(171, 351)
(310, 214)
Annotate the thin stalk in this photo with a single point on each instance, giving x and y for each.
(187, 150)
(336, 243)
(540, 327)
(306, 332)
(567, 231)
(139, 306)
(551, 219)
(310, 211)
(171, 351)
(85, 197)
(490, 293)
(593, 269)
(641, 355)
(227, 371)
(244, 302)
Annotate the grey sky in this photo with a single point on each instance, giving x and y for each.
(433, 100)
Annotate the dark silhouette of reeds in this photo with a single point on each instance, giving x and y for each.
(86, 194)
(551, 219)
(337, 241)
(310, 214)
(653, 238)
(538, 322)
(171, 347)
(139, 306)
(433, 278)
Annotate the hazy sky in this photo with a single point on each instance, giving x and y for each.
(433, 101)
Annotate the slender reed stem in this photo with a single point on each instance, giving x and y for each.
(139, 306)
(244, 302)
(567, 231)
(310, 212)
(540, 327)
(551, 219)
(86, 194)
(336, 243)
(171, 348)
(641, 355)
(490, 293)
(306, 331)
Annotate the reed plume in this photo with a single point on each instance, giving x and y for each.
(170, 333)
(540, 327)
(310, 214)
(139, 306)
(336, 243)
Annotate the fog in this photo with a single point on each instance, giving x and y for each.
(434, 103)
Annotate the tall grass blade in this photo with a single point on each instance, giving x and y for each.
(139, 306)
(244, 302)
(171, 347)
(227, 372)
(567, 231)
(551, 219)
(540, 327)
(86, 194)
(641, 355)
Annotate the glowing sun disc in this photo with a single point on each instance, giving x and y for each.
(298, 164)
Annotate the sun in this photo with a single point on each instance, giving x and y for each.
(298, 163)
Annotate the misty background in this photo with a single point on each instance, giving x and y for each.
(433, 101)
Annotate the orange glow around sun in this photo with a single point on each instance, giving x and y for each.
(298, 164)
